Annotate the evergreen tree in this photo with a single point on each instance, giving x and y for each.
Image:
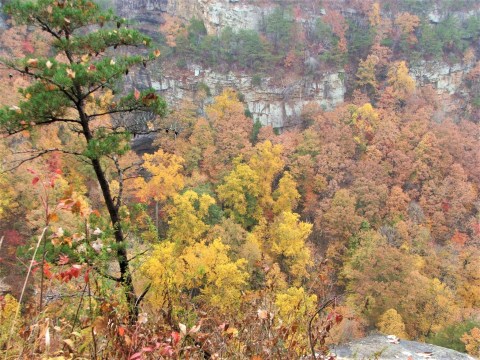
(70, 89)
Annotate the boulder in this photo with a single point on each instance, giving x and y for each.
(383, 347)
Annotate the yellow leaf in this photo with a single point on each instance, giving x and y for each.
(70, 73)
(232, 331)
(53, 217)
(32, 62)
(70, 344)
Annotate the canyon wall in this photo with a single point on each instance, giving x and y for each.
(273, 101)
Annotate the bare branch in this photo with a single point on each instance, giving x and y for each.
(35, 155)
(107, 276)
(47, 28)
(310, 335)
(142, 295)
(140, 254)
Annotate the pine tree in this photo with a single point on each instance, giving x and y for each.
(69, 89)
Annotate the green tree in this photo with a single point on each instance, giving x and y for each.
(278, 28)
(80, 72)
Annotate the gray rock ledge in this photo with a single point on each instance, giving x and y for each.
(379, 347)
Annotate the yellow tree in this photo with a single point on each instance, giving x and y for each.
(286, 195)
(7, 195)
(287, 244)
(391, 323)
(203, 268)
(267, 162)
(366, 77)
(166, 178)
(399, 79)
(8, 309)
(232, 130)
(188, 216)
(365, 122)
(239, 194)
(220, 280)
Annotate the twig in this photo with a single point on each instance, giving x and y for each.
(79, 306)
(43, 272)
(142, 295)
(23, 291)
(310, 335)
(140, 254)
(94, 338)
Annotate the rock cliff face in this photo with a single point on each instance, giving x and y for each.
(215, 14)
(270, 103)
(276, 102)
(219, 14)
(445, 78)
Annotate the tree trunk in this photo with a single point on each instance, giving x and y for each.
(125, 274)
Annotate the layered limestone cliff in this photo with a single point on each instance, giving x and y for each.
(276, 102)
(216, 15)
(445, 78)
(269, 102)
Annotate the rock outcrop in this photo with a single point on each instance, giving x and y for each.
(445, 78)
(216, 15)
(268, 101)
(276, 102)
(379, 347)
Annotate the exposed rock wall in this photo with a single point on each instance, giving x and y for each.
(270, 103)
(445, 78)
(220, 14)
(215, 14)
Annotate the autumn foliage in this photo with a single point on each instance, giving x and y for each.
(236, 237)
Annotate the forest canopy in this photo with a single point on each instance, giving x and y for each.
(220, 237)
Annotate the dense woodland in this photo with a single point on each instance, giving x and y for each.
(229, 239)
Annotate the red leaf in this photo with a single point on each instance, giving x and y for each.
(28, 47)
(135, 356)
(35, 180)
(136, 93)
(175, 337)
(46, 270)
(121, 331)
(63, 260)
(86, 277)
(75, 270)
